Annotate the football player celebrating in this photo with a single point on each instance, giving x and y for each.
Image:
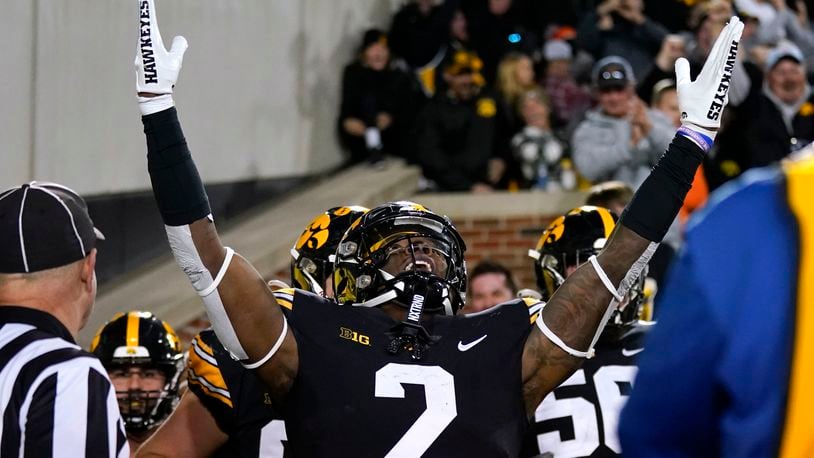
(339, 373)
(143, 357)
(227, 410)
(579, 418)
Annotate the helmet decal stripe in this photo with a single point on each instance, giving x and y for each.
(131, 339)
(607, 221)
(172, 337)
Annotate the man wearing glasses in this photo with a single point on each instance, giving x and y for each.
(621, 139)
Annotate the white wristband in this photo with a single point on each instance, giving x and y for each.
(150, 105)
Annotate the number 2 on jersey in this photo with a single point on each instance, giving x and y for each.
(439, 389)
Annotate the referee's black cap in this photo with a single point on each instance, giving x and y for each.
(42, 226)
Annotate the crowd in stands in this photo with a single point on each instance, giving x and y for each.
(519, 94)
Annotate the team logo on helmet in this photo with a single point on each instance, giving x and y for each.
(571, 240)
(313, 253)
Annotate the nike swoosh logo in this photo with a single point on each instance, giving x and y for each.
(629, 353)
(465, 347)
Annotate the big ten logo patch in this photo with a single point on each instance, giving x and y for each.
(354, 336)
(316, 234)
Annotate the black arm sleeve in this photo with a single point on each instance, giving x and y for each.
(657, 201)
(177, 187)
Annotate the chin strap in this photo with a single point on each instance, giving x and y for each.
(410, 335)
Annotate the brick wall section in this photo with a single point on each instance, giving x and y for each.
(505, 240)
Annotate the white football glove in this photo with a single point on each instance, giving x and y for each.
(702, 101)
(156, 69)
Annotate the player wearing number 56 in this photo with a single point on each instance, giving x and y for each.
(579, 418)
(407, 390)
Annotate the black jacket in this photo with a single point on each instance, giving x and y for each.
(454, 140)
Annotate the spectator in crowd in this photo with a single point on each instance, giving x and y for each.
(730, 359)
(539, 155)
(776, 23)
(776, 118)
(378, 102)
(490, 283)
(455, 130)
(664, 100)
(568, 99)
(620, 28)
(672, 14)
(57, 399)
(797, 27)
(430, 75)
(613, 195)
(671, 49)
(621, 139)
(498, 27)
(419, 31)
(143, 357)
(515, 75)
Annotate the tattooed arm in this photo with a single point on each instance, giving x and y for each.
(574, 313)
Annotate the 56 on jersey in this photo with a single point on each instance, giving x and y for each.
(581, 416)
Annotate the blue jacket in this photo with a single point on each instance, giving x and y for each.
(713, 380)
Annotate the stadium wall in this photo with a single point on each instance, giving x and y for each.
(258, 94)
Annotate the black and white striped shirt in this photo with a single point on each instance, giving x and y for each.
(56, 399)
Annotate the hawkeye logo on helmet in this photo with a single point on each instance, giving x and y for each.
(147, 56)
(316, 234)
(553, 233)
(354, 336)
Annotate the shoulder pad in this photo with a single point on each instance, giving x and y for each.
(285, 297)
(535, 306)
(203, 374)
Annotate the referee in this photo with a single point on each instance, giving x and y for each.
(55, 398)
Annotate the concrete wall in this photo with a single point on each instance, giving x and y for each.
(258, 93)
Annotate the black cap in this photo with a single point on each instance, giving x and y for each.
(42, 226)
(372, 36)
(613, 72)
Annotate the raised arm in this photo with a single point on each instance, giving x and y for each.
(571, 322)
(243, 311)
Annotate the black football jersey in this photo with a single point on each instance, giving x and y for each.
(580, 417)
(353, 398)
(236, 398)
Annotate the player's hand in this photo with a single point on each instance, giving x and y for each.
(702, 101)
(156, 68)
